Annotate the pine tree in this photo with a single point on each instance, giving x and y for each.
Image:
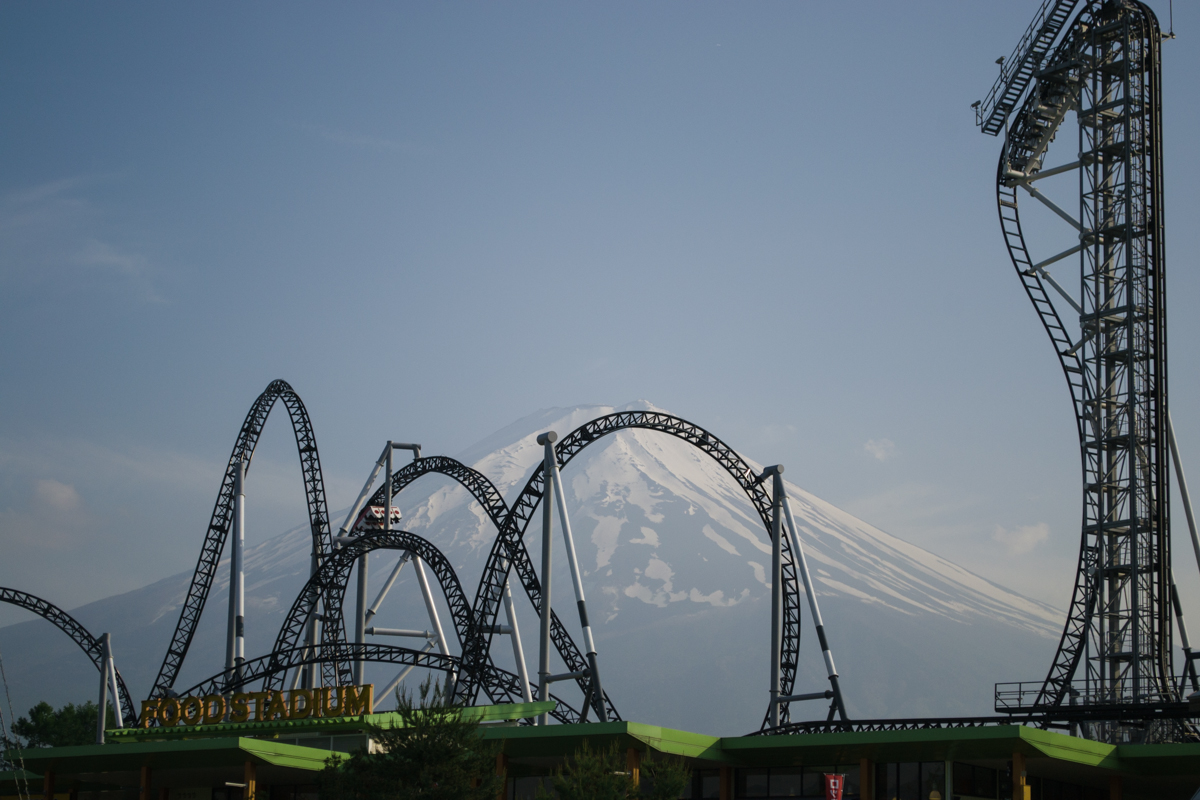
(433, 754)
(70, 725)
(604, 775)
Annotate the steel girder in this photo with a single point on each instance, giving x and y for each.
(218, 526)
(509, 541)
(1107, 69)
(329, 585)
(79, 634)
(485, 492)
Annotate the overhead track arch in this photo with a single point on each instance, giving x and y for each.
(509, 541)
(88, 643)
(219, 524)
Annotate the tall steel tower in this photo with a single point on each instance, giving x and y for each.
(1101, 60)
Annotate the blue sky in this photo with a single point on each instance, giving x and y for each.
(774, 219)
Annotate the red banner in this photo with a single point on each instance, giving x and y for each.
(834, 785)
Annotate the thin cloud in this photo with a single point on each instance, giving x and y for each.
(1022, 539)
(881, 449)
(55, 227)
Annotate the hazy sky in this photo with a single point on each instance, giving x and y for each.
(775, 219)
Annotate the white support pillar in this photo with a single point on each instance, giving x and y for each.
(427, 593)
(1183, 488)
(577, 583)
(813, 607)
(360, 605)
(103, 703)
(405, 557)
(235, 649)
(776, 587)
(547, 440)
(312, 672)
(112, 682)
(518, 651)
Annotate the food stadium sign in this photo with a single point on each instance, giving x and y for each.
(269, 706)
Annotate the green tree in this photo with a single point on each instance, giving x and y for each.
(668, 777)
(593, 775)
(604, 775)
(433, 754)
(72, 724)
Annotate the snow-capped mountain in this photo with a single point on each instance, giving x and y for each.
(675, 565)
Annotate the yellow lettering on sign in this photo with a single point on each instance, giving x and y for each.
(168, 713)
(192, 710)
(297, 704)
(357, 701)
(297, 710)
(332, 711)
(239, 707)
(278, 706)
(260, 705)
(211, 702)
(149, 712)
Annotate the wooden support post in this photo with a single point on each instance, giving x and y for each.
(48, 784)
(164, 793)
(144, 786)
(250, 778)
(633, 763)
(1021, 788)
(726, 782)
(502, 771)
(866, 779)
(1114, 787)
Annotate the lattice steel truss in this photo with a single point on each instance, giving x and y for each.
(1119, 629)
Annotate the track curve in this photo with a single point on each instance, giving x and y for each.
(218, 526)
(509, 541)
(488, 496)
(80, 635)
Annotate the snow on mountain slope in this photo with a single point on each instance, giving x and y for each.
(675, 561)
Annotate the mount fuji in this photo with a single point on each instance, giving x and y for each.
(675, 563)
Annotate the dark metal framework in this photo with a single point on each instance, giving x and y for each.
(1107, 70)
(71, 627)
(485, 492)
(218, 526)
(323, 594)
(508, 545)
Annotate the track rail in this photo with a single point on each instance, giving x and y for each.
(510, 538)
(270, 668)
(218, 526)
(488, 496)
(80, 635)
(1107, 68)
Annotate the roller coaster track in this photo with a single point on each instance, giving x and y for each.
(330, 583)
(1107, 69)
(218, 526)
(324, 592)
(509, 541)
(280, 662)
(485, 492)
(70, 626)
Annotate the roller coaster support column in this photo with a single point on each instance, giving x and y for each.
(518, 650)
(794, 533)
(235, 645)
(360, 606)
(776, 472)
(1183, 487)
(112, 686)
(547, 440)
(551, 461)
(108, 683)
